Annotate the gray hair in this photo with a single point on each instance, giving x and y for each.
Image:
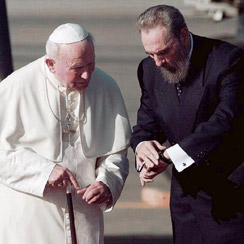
(52, 48)
(164, 15)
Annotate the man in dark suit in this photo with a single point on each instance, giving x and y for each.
(193, 98)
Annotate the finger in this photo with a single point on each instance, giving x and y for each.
(61, 185)
(91, 195)
(57, 185)
(139, 163)
(88, 192)
(150, 175)
(66, 182)
(56, 175)
(159, 146)
(139, 169)
(98, 192)
(145, 148)
(153, 156)
(82, 191)
(142, 160)
(55, 181)
(148, 162)
(98, 199)
(142, 182)
(73, 180)
(145, 178)
(143, 172)
(148, 180)
(152, 152)
(149, 154)
(149, 147)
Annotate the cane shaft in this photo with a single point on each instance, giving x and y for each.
(71, 218)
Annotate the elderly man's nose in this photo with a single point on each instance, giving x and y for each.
(85, 75)
(159, 61)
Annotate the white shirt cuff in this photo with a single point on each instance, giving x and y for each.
(137, 167)
(179, 157)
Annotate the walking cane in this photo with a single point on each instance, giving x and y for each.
(71, 214)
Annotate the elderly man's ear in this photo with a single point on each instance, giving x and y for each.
(50, 64)
(184, 35)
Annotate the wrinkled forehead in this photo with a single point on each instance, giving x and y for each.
(77, 53)
(156, 34)
(81, 61)
(76, 61)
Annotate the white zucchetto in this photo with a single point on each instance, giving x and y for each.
(68, 33)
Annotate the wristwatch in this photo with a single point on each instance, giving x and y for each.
(161, 156)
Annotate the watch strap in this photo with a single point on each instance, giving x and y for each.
(163, 158)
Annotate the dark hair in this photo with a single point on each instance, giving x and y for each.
(164, 15)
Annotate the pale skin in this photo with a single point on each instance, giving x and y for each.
(161, 47)
(73, 68)
(163, 50)
(147, 152)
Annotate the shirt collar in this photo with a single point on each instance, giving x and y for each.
(191, 49)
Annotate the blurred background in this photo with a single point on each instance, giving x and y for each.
(141, 216)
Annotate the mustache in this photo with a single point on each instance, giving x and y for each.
(168, 67)
(177, 74)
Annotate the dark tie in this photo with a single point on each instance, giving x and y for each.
(179, 89)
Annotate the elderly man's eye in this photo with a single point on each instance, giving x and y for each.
(77, 68)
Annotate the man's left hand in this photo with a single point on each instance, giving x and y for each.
(96, 193)
(148, 174)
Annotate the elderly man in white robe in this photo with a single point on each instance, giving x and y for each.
(63, 121)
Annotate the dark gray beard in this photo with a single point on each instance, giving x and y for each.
(176, 74)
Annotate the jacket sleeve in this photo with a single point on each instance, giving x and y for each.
(147, 127)
(24, 170)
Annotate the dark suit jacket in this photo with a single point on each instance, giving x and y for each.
(208, 124)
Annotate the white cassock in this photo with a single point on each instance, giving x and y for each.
(32, 143)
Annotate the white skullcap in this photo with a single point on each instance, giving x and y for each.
(68, 33)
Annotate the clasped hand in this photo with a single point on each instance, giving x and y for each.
(95, 193)
(147, 152)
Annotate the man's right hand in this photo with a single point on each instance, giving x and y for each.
(61, 177)
(147, 152)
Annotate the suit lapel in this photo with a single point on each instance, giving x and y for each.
(168, 102)
(189, 103)
(193, 89)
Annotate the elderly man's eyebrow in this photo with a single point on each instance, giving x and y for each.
(160, 52)
(76, 65)
(74, 61)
